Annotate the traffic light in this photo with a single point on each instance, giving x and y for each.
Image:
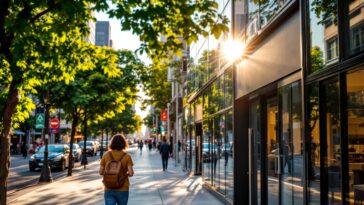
(164, 115)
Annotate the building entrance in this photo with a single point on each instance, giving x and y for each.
(276, 147)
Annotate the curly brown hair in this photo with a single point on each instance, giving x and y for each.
(118, 142)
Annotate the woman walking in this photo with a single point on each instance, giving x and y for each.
(116, 185)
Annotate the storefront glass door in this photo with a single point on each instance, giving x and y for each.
(255, 150)
(273, 158)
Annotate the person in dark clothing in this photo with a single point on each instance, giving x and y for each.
(164, 151)
(24, 150)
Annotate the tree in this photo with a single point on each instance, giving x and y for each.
(157, 87)
(33, 32)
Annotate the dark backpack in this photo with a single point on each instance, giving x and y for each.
(114, 173)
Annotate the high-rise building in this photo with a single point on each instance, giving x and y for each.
(103, 34)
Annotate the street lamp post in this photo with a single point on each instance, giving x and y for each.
(102, 142)
(84, 161)
(45, 175)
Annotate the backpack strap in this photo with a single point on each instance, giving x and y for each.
(110, 155)
(112, 158)
(122, 157)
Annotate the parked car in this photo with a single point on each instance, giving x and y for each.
(91, 148)
(97, 143)
(104, 145)
(77, 152)
(209, 151)
(130, 142)
(58, 157)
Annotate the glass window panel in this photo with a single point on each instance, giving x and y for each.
(216, 153)
(355, 96)
(206, 151)
(240, 18)
(291, 144)
(356, 21)
(314, 145)
(228, 88)
(332, 152)
(220, 156)
(323, 34)
(272, 148)
(229, 158)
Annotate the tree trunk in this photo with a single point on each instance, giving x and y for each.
(7, 120)
(73, 132)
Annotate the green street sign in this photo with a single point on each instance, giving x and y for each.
(39, 121)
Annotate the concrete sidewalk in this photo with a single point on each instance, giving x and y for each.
(149, 186)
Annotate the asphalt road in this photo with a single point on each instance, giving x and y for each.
(20, 178)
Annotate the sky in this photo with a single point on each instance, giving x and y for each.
(125, 40)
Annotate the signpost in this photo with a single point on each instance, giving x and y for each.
(39, 118)
(54, 123)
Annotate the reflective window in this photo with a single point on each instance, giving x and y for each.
(323, 34)
(228, 88)
(332, 152)
(291, 144)
(314, 145)
(228, 151)
(206, 149)
(355, 96)
(356, 15)
(273, 158)
(260, 13)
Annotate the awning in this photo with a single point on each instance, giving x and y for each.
(18, 132)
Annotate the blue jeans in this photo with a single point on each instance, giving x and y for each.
(116, 197)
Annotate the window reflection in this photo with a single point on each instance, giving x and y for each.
(356, 15)
(332, 152)
(260, 13)
(355, 96)
(323, 33)
(314, 147)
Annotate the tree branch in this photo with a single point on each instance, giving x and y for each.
(36, 17)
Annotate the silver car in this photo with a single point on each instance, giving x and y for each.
(77, 152)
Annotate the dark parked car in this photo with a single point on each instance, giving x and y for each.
(58, 157)
(91, 147)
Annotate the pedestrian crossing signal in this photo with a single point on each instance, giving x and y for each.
(164, 115)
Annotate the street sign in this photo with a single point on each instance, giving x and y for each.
(54, 123)
(164, 115)
(39, 121)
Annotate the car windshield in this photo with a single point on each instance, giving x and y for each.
(87, 144)
(52, 148)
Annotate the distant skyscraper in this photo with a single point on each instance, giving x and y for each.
(103, 33)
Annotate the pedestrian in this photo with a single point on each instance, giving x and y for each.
(165, 150)
(24, 150)
(140, 145)
(117, 190)
(150, 145)
(179, 145)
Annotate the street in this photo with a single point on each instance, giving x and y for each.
(21, 179)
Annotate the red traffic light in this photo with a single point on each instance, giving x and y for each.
(164, 115)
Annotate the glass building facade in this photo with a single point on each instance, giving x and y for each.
(208, 142)
(285, 123)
